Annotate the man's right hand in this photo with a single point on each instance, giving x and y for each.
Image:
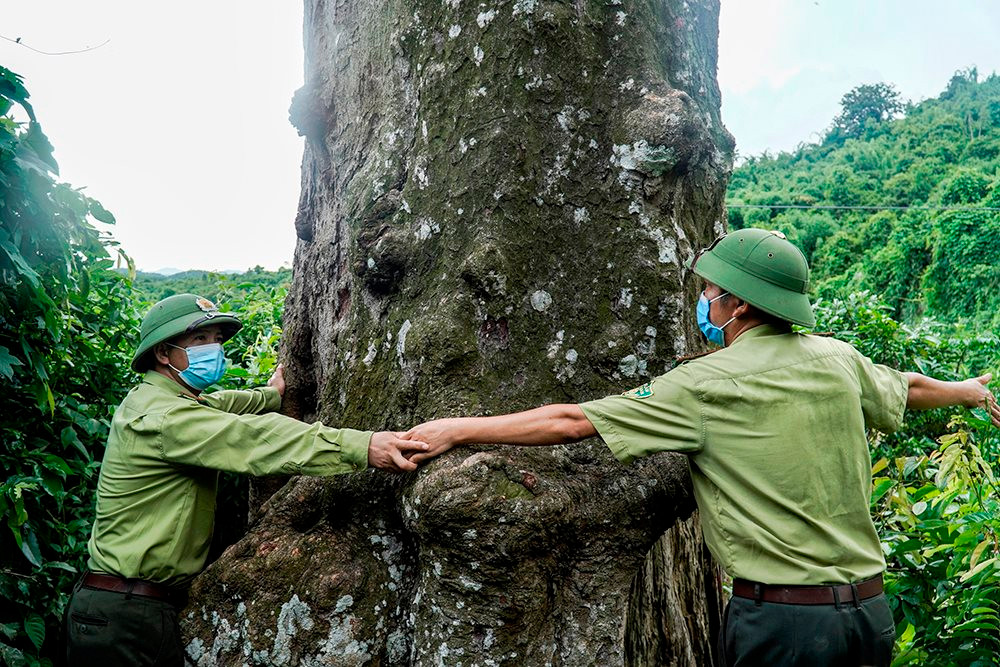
(388, 451)
(440, 436)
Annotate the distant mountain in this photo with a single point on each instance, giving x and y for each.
(168, 272)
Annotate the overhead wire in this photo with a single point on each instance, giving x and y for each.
(53, 53)
(830, 207)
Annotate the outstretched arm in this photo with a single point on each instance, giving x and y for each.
(547, 425)
(925, 393)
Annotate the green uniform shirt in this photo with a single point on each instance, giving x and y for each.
(774, 426)
(156, 492)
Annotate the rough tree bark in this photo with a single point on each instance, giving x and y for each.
(497, 202)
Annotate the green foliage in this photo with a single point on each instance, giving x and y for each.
(963, 276)
(939, 518)
(66, 323)
(865, 107)
(942, 152)
(152, 287)
(69, 319)
(965, 187)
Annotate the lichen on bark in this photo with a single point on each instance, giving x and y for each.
(498, 200)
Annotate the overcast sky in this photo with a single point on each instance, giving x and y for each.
(179, 124)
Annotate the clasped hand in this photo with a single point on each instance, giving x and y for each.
(403, 452)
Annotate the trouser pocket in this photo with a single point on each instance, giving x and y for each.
(86, 635)
(84, 619)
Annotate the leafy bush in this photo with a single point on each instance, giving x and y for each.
(66, 326)
(965, 187)
(69, 321)
(939, 518)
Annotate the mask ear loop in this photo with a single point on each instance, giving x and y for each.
(171, 366)
(723, 327)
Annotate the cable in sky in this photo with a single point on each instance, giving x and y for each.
(51, 53)
(830, 207)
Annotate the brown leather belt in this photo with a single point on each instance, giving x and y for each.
(115, 584)
(844, 593)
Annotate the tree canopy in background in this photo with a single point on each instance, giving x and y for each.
(943, 152)
(866, 107)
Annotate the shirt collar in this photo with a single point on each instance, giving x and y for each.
(161, 381)
(757, 332)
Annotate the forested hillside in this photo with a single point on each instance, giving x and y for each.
(932, 167)
(152, 287)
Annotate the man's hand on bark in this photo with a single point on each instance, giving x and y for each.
(278, 380)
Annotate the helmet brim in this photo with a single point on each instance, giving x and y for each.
(778, 301)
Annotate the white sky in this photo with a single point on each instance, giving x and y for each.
(179, 125)
(785, 64)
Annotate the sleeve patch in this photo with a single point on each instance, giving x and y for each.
(645, 391)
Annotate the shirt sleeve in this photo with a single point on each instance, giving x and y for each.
(254, 401)
(662, 415)
(268, 444)
(883, 394)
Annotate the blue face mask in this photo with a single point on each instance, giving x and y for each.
(206, 365)
(713, 333)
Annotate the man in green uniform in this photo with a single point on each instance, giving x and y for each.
(157, 486)
(774, 424)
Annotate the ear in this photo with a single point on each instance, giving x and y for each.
(742, 309)
(160, 352)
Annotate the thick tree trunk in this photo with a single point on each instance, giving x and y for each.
(497, 202)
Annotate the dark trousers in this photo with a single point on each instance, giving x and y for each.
(107, 629)
(786, 635)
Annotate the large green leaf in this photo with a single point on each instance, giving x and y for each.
(34, 626)
(101, 213)
(12, 88)
(18, 260)
(7, 363)
(29, 547)
(70, 438)
(40, 146)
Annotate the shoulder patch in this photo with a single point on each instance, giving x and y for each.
(645, 391)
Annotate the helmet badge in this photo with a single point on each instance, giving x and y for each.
(206, 305)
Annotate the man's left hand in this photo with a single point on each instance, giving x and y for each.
(278, 380)
(978, 395)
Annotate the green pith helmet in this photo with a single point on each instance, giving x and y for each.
(179, 314)
(763, 269)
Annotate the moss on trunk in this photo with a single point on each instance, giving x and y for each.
(498, 200)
